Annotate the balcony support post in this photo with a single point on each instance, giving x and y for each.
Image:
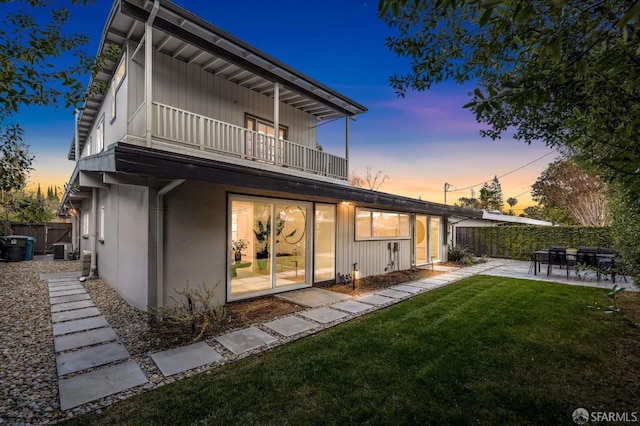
(346, 143)
(148, 72)
(276, 122)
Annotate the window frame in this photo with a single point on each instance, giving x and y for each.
(100, 135)
(101, 229)
(116, 82)
(372, 236)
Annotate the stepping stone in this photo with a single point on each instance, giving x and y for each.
(58, 275)
(84, 338)
(324, 315)
(374, 299)
(79, 325)
(312, 297)
(425, 285)
(245, 340)
(72, 305)
(54, 290)
(76, 314)
(67, 299)
(62, 282)
(185, 358)
(94, 356)
(67, 292)
(97, 384)
(406, 288)
(290, 326)
(395, 294)
(351, 306)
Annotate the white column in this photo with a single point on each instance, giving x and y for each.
(148, 81)
(276, 120)
(93, 272)
(346, 142)
(77, 136)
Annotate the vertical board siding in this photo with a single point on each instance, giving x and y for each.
(372, 256)
(187, 87)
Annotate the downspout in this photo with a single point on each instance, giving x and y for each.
(148, 71)
(94, 234)
(160, 239)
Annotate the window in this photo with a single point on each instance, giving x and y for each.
(101, 235)
(325, 242)
(261, 144)
(380, 225)
(100, 136)
(85, 223)
(87, 147)
(118, 76)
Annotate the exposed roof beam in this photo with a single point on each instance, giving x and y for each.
(163, 43)
(196, 57)
(180, 50)
(210, 63)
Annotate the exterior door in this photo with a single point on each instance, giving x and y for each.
(421, 240)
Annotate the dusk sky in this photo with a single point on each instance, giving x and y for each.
(420, 141)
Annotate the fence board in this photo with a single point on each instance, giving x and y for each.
(46, 234)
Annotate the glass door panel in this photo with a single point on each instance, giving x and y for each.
(290, 243)
(435, 243)
(325, 242)
(250, 257)
(421, 240)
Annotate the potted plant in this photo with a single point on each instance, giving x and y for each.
(237, 246)
(263, 235)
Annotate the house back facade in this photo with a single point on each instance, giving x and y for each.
(201, 165)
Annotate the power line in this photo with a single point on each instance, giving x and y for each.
(506, 174)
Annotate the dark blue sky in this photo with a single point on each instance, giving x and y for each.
(420, 141)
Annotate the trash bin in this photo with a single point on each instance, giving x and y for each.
(16, 247)
(28, 252)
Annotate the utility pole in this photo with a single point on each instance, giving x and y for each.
(446, 188)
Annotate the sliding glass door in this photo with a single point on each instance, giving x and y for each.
(268, 246)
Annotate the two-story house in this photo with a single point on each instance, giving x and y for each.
(200, 164)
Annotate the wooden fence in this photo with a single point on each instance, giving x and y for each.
(46, 234)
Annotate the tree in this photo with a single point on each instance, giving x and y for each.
(370, 181)
(565, 72)
(564, 185)
(512, 202)
(491, 195)
(469, 202)
(15, 164)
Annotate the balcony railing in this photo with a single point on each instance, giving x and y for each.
(204, 133)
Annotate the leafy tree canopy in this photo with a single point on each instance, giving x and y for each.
(566, 72)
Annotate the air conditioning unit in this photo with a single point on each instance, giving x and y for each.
(61, 251)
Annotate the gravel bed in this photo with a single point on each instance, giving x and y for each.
(28, 376)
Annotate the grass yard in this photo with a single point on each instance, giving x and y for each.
(487, 350)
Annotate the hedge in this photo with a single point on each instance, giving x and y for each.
(513, 241)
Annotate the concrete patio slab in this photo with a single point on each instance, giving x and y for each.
(374, 299)
(75, 314)
(351, 306)
(94, 356)
(313, 297)
(324, 315)
(245, 340)
(57, 275)
(406, 288)
(72, 305)
(98, 384)
(67, 292)
(395, 294)
(290, 326)
(67, 299)
(84, 338)
(185, 358)
(79, 325)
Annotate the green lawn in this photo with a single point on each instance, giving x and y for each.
(486, 350)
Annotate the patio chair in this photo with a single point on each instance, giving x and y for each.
(557, 257)
(532, 258)
(586, 258)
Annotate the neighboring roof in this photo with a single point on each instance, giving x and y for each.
(132, 160)
(187, 37)
(498, 217)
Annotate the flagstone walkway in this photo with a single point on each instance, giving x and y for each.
(92, 364)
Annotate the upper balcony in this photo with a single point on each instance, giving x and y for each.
(189, 86)
(174, 129)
